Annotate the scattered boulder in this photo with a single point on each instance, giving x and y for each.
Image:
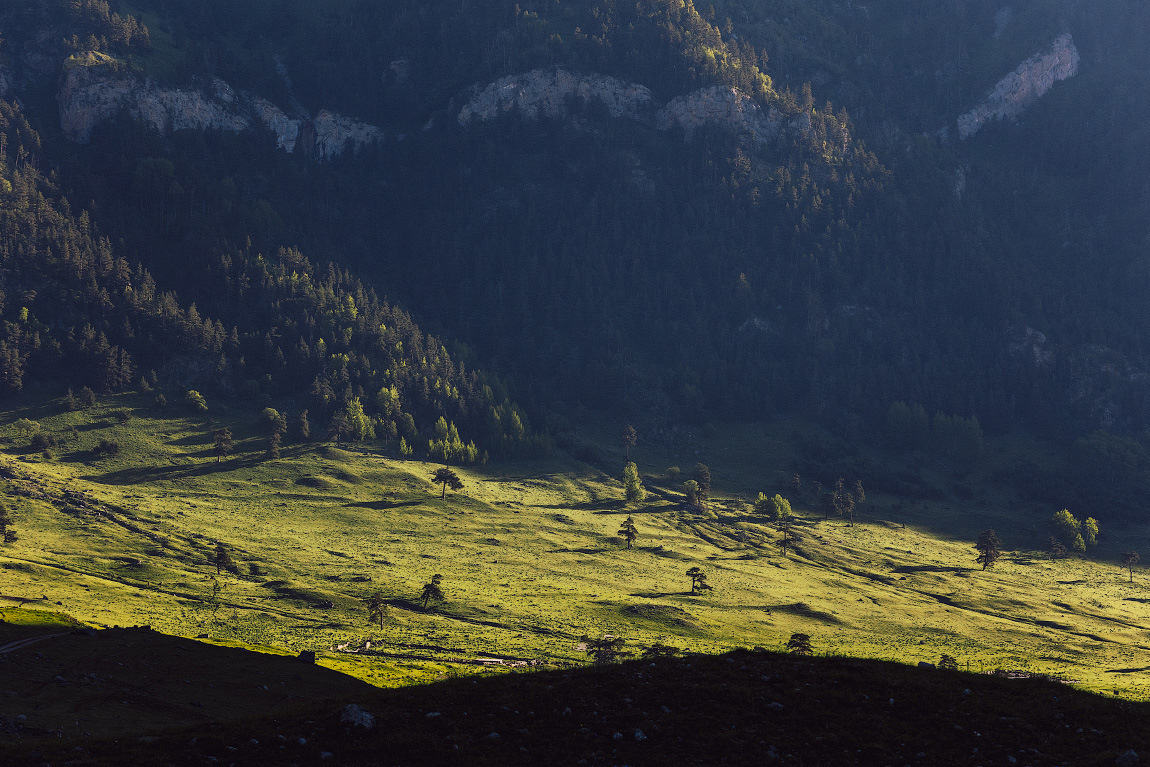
(1127, 758)
(357, 716)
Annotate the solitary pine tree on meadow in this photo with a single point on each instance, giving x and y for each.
(432, 590)
(223, 559)
(1129, 560)
(698, 580)
(445, 477)
(222, 442)
(628, 531)
(989, 549)
(7, 532)
(376, 608)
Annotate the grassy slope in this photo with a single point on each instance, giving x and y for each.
(528, 558)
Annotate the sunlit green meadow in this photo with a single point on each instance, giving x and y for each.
(530, 557)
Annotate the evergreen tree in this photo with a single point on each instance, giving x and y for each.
(303, 428)
(698, 580)
(196, 402)
(628, 531)
(948, 663)
(222, 442)
(432, 590)
(1129, 560)
(702, 477)
(630, 437)
(632, 485)
(7, 532)
(796, 486)
(691, 491)
(274, 445)
(222, 559)
(785, 525)
(988, 547)
(446, 477)
(376, 608)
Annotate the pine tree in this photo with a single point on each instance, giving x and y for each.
(376, 608)
(432, 590)
(223, 559)
(632, 485)
(1129, 560)
(222, 443)
(698, 580)
(446, 477)
(989, 550)
(303, 427)
(628, 531)
(7, 532)
(630, 437)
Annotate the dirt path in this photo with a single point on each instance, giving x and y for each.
(21, 643)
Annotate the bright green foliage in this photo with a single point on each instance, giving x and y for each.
(405, 450)
(691, 491)
(448, 446)
(1078, 545)
(196, 402)
(1090, 531)
(360, 426)
(633, 485)
(1066, 528)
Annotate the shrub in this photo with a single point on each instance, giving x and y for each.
(108, 447)
(196, 402)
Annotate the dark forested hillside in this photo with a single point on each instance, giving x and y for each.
(824, 242)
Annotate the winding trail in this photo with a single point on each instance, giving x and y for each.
(22, 643)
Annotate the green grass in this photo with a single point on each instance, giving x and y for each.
(529, 557)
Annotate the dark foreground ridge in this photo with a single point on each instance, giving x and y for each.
(745, 707)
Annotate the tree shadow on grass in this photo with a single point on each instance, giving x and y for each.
(933, 569)
(661, 594)
(382, 505)
(138, 474)
(611, 504)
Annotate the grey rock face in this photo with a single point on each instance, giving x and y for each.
(1030, 81)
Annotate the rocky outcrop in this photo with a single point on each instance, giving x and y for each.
(1030, 81)
(558, 94)
(551, 93)
(334, 133)
(91, 95)
(720, 106)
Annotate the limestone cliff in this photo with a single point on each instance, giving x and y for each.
(543, 93)
(556, 93)
(720, 106)
(93, 93)
(1031, 80)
